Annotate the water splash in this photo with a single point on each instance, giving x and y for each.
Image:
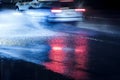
(36, 54)
(14, 24)
(21, 37)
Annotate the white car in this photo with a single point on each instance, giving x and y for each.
(57, 11)
(22, 5)
(66, 14)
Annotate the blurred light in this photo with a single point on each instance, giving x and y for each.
(56, 67)
(80, 49)
(17, 13)
(47, 0)
(66, 0)
(57, 53)
(35, 13)
(80, 10)
(57, 48)
(68, 62)
(56, 10)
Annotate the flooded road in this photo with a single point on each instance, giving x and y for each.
(38, 50)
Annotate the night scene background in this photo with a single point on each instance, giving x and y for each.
(54, 40)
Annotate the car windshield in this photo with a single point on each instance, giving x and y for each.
(56, 4)
(49, 4)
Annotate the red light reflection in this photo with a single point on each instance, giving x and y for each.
(57, 48)
(81, 57)
(57, 45)
(81, 51)
(69, 62)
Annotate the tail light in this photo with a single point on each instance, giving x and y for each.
(57, 48)
(80, 10)
(56, 10)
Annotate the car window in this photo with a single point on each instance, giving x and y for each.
(55, 4)
(47, 4)
(68, 4)
(50, 4)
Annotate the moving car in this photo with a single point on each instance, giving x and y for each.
(66, 14)
(26, 4)
(56, 11)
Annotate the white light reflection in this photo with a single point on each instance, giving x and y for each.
(14, 28)
(13, 24)
(100, 27)
(17, 13)
(32, 54)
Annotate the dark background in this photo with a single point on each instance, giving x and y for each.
(94, 4)
(103, 4)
